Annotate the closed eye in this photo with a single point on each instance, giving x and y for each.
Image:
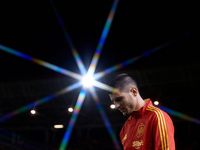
(118, 99)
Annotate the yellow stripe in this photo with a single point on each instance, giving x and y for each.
(159, 126)
(162, 127)
(166, 137)
(165, 133)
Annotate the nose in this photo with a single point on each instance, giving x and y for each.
(117, 105)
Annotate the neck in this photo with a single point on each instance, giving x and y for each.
(140, 104)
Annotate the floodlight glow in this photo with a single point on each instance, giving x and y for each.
(70, 109)
(112, 106)
(58, 126)
(33, 112)
(88, 81)
(156, 102)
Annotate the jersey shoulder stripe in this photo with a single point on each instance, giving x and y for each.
(161, 126)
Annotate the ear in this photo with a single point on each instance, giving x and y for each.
(134, 91)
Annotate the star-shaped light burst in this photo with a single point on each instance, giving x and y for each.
(87, 80)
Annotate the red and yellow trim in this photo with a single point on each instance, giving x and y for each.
(162, 126)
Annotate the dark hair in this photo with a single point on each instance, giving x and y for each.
(123, 82)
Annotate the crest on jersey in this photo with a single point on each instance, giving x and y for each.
(140, 130)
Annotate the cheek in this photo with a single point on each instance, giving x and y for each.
(130, 103)
(125, 104)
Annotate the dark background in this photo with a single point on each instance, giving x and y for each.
(170, 75)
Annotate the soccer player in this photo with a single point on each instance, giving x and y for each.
(148, 127)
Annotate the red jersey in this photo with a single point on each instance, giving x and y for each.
(149, 128)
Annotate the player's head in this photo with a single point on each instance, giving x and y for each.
(123, 82)
(126, 95)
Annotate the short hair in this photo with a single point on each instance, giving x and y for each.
(123, 82)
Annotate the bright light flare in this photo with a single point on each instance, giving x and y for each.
(88, 81)
(156, 102)
(33, 112)
(58, 126)
(70, 109)
(112, 106)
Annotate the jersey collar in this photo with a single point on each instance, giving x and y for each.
(140, 112)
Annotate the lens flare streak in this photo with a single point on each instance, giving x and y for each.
(103, 38)
(39, 102)
(105, 119)
(178, 114)
(127, 62)
(104, 86)
(74, 51)
(115, 67)
(73, 119)
(131, 60)
(41, 62)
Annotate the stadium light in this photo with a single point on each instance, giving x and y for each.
(33, 112)
(156, 102)
(58, 126)
(88, 80)
(112, 106)
(70, 109)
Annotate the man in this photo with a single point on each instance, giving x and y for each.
(148, 127)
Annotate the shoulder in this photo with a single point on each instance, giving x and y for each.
(158, 116)
(156, 113)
